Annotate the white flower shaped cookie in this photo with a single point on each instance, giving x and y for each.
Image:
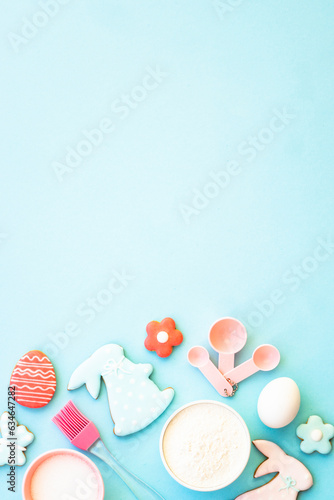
(15, 438)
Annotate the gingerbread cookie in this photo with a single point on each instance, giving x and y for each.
(291, 478)
(34, 380)
(162, 337)
(134, 400)
(15, 438)
(315, 436)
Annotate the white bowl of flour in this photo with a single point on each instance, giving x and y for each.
(205, 445)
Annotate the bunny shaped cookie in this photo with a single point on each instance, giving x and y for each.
(134, 399)
(292, 476)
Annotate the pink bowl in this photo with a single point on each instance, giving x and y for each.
(26, 487)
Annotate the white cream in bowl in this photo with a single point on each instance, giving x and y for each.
(205, 445)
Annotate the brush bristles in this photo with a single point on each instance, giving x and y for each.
(70, 421)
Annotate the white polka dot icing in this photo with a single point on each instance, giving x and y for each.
(118, 372)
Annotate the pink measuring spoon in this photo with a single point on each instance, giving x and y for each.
(227, 336)
(265, 358)
(199, 357)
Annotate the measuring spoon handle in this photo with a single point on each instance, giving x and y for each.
(219, 382)
(242, 371)
(225, 362)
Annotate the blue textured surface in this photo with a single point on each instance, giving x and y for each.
(227, 72)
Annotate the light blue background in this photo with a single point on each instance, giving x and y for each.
(120, 209)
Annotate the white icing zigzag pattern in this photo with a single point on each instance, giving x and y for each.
(36, 373)
(37, 357)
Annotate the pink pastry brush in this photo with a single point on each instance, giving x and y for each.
(84, 435)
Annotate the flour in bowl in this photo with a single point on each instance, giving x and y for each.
(206, 445)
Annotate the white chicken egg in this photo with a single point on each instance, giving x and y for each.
(279, 402)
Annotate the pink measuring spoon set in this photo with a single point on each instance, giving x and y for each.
(227, 337)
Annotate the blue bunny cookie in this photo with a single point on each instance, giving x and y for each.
(134, 400)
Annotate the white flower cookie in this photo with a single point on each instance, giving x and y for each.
(15, 438)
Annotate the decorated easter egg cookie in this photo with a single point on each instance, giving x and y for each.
(34, 380)
(14, 441)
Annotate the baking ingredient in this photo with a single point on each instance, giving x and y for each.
(279, 402)
(64, 477)
(206, 445)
